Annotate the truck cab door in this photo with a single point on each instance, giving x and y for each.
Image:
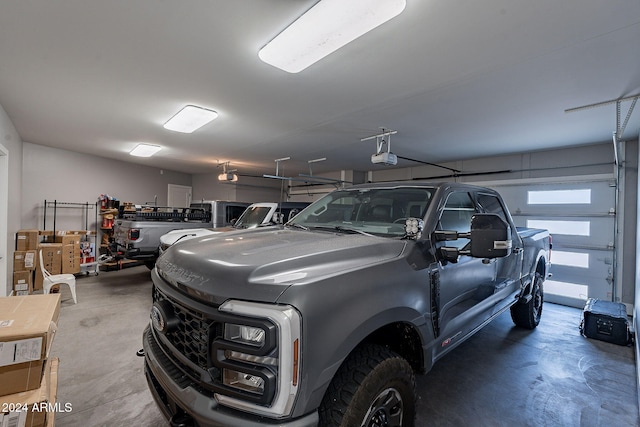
(509, 268)
(464, 285)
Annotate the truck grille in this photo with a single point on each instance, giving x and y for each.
(193, 335)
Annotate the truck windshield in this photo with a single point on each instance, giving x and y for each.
(378, 211)
(252, 217)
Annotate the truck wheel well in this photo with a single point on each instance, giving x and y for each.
(541, 267)
(402, 339)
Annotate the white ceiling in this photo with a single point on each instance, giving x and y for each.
(456, 78)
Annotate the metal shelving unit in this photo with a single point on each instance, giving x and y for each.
(86, 207)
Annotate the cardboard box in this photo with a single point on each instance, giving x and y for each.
(70, 262)
(68, 239)
(71, 266)
(70, 251)
(20, 293)
(23, 282)
(27, 240)
(34, 408)
(77, 232)
(38, 280)
(51, 256)
(24, 260)
(27, 327)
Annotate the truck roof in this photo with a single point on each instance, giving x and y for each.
(417, 184)
(193, 202)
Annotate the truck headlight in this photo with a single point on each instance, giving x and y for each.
(259, 358)
(244, 334)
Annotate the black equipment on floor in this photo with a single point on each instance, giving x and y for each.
(605, 321)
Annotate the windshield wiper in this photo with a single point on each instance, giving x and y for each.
(302, 227)
(342, 229)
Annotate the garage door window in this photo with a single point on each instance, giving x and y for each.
(571, 259)
(559, 197)
(567, 228)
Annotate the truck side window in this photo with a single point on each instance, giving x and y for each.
(491, 204)
(233, 212)
(456, 216)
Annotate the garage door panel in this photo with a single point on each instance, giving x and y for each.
(580, 217)
(597, 276)
(580, 260)
(591, 231)
(599, 271)
(518, 197)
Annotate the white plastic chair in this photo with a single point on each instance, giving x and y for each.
(57, 279)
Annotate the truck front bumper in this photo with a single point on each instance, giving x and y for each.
(191, 406)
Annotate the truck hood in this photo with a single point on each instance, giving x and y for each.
(171, 237)
(260, 264)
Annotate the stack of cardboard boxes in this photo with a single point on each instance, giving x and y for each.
(28, 375)
(61, 253)
(25, 260)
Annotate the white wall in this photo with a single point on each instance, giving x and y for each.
(636, 281)
(629, 228)
(55, 174)
(12, 144)
(247, 189)
(4, 203)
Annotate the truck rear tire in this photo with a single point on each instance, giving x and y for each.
(374, 387)
(527, 315)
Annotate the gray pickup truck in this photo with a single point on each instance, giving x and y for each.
(325, 321)
(136, 233)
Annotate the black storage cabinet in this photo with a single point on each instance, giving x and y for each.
(605, 321)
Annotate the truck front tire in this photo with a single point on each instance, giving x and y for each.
(374, 387)
(527, 314)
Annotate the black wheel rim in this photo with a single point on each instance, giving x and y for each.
(385, 411)
(537, 303)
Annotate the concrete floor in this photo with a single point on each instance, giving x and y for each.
(503, 376)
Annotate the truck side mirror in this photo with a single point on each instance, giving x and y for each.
(449, 253)
(444, 235)
(490, 236)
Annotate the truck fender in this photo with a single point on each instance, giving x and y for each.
(538, 269)
(379, 329)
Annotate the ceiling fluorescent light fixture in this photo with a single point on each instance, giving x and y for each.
(190, 118)
(325, 28)
(145, 150)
